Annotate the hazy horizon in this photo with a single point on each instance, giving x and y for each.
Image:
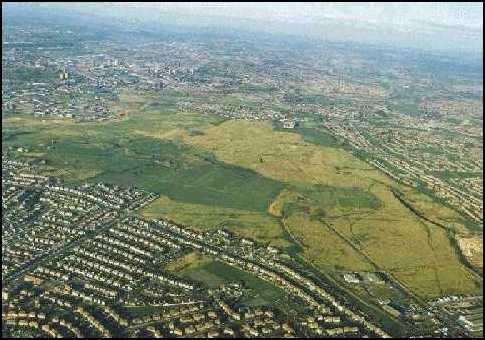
(454, 27)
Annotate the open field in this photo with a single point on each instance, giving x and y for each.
(323, 247)
(113, 155)
(246, 223)
(282, 156)
(375, 224)
(469, 240)
(269, 185)
(214, 273)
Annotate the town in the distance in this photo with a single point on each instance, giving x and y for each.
(169, 175)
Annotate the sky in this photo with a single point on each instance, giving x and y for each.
(448, 26)
(395, 13)
(404, 14)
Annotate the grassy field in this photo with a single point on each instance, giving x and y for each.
(214, 273)
(284, 156)
(111, 154)
(314, 134)
(368, 226)
(260, 226)
(296, 190)
(469, 235)
(323, 247)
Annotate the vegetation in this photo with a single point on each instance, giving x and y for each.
(214, 273)
(294, 190)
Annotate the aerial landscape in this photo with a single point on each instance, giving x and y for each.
(226, 170)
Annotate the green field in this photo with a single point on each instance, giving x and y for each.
(295, 189)
(119, 154)
(252, 224)
(214, 273)
(349, 219)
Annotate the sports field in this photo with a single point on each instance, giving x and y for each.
(213, 273)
